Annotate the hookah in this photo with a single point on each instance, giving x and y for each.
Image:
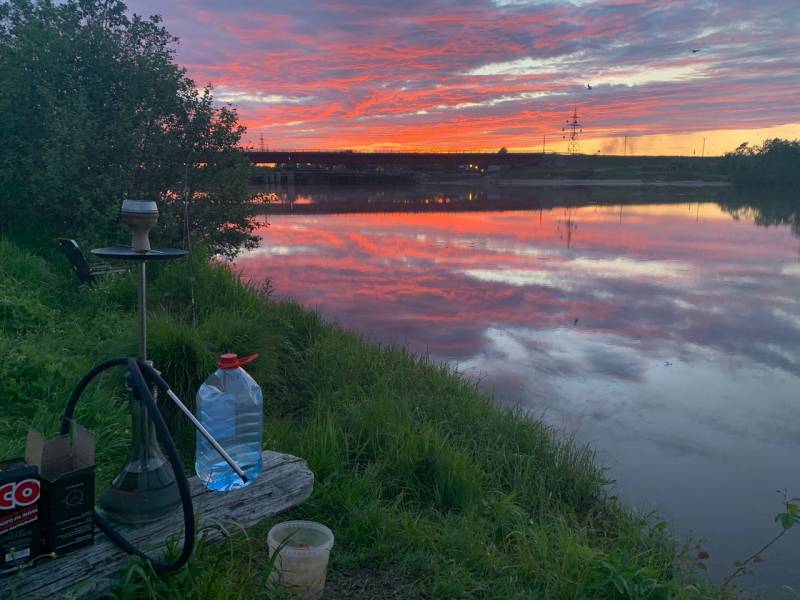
(151, 484)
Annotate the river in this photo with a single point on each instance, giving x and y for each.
(663, 332)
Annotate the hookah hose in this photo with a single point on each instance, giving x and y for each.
(140, 384)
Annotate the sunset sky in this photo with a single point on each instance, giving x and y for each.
(481, 74)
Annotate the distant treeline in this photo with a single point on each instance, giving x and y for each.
(776, 161)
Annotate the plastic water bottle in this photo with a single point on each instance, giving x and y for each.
(230, 406)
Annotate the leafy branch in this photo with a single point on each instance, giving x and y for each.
(787, 519)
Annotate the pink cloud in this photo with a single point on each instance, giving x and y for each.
(464, 75)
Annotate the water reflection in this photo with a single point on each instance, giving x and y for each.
(783, 208)
(333, 200)
(667, 335)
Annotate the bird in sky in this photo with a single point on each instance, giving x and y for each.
(695, 51)
(588, 86)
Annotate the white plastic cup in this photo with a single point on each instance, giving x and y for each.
(303, 549)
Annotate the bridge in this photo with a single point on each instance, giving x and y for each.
(408, 159)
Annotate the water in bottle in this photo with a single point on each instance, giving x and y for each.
(230, 407)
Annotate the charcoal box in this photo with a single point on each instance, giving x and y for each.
(67, 470)
(19, 514)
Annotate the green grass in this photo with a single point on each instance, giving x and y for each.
(431, 491)
(646, 168)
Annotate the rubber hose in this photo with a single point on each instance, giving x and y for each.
(141, 388)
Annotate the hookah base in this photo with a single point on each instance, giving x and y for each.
(139, 505)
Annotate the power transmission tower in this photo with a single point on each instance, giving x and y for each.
(572, 131)
(569, 225)
(261, 145)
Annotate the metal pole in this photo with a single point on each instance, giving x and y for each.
(142, 311)
(207, 435)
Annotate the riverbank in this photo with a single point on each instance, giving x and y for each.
(431, 490)
(562, 183)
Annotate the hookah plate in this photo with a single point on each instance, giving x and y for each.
(128, 253)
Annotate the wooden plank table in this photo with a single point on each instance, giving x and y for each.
(284, 482)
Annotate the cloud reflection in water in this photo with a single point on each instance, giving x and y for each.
(668, 336)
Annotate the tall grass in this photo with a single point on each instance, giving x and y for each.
(431, 490)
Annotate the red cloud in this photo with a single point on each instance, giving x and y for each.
(382, 74)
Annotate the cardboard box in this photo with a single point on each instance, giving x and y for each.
(66, 469)
(19, 514)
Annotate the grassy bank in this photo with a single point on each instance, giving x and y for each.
(432, 492)
(597, 168)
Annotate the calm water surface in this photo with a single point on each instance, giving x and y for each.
(666, 335)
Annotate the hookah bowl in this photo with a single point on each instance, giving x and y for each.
(140, 216)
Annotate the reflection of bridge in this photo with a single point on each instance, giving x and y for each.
(392, 199)
(409, 159)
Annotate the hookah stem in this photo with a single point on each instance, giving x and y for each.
(142, 415)
(142, 311)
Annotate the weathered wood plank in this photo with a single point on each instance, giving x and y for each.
(285, 481)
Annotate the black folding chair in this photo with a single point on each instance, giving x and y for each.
(86, 273)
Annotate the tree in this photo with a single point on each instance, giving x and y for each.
(503, 150)
(775, 161)
(202, 177)
(95, 109)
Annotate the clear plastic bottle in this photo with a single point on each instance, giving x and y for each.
(230, 406)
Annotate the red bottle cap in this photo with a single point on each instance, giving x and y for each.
(231, 361)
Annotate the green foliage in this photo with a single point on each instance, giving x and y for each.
(95, 109)
(775, 162)
(430, 489)
(18, 311)
(790, 515)
(786, 519)
(621, 578)
(201, 577)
